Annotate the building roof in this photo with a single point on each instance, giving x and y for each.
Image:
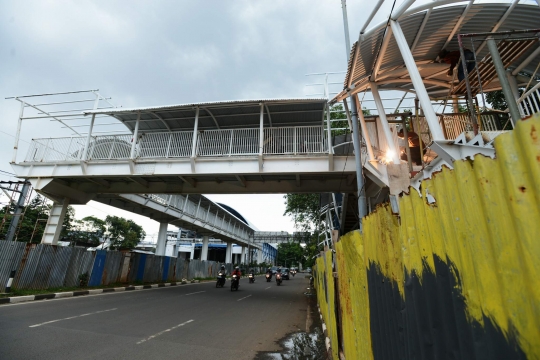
(429, 29)
(221, 115)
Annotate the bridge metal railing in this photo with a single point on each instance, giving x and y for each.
(219, 221)
(178, 144)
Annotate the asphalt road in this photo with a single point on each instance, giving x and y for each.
(195, 321)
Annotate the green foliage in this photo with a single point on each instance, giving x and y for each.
(337, 112)
(83, 279)
(86, 232)
(123, 233)
(303, 208)
(33, 220)
(497, 100)
(290, 254)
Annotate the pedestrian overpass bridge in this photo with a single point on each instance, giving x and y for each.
(262, 146)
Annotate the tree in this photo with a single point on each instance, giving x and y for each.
(337, 112)
(33, 220)
(290, 253)
(304, 209)
(86, 232)
(497, 100)
(122, 233)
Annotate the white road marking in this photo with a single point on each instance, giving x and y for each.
(198, 292)
(267, 288)
(164, 331)
(243, 298)
(71, 317)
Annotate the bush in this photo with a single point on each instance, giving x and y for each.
(83, 280)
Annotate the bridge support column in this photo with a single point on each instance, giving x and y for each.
(204, 250)
(54, 223)
(243, 255)
(259, 256)
(228, 253)
(162, 239)
(192, 254)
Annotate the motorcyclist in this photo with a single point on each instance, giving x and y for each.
(278, 271)
(238, 273)
(269, 271)
(251, 272)
(223, 270)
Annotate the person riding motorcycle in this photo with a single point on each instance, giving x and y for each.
(222, 273)
(238, 273)
(223, 270)
(278, 271)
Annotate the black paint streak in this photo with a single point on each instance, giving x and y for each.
(432, 321)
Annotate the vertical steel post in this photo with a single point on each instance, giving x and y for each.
(329, 130)
(18, 133)
(501, 73)
(135, 136)
(384, 123)
(407, 148)
(261, 129)
(195, 128)
(416, 79)
(470, 103)
(346, 29)
(358, 163)
(10, 235)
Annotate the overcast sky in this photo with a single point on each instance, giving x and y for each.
(169, 52)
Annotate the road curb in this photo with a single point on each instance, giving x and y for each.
(26, 298)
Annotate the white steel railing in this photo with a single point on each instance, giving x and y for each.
(529, 103)
(188, 207)
(295, 140)
(178, 144)
(52, 150)
(228, 142)
(166, 144)
(109, 147)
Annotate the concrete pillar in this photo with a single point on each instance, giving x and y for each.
(259, 256)
(192, 254)
(228, 253)
(162, 239)
(52, 231)
(243, 255)
(204, 250)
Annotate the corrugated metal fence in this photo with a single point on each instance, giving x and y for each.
(454, 277)
(45, 266)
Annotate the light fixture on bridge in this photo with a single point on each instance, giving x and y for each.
(388, 156)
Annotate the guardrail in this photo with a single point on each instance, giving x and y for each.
(216, 143)
(529, 103)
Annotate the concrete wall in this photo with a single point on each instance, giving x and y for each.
(456, 275)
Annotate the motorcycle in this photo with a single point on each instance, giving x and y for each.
(278, 279)
(251, 278)
(268, 277)
(220, 280)
(234, 282)
(293, 272)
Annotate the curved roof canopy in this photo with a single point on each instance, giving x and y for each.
(429, 29)
(221, 115)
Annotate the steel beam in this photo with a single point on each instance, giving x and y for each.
(501, 74)
(384, 123)
(416, 79)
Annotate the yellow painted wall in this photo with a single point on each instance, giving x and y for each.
(485, 222)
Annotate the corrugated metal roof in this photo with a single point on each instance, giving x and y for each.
(227, 114)
(481, 17)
